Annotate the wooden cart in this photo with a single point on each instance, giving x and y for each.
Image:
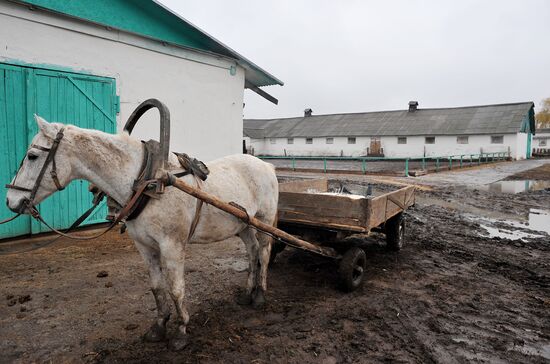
(308, 211)
(312, 219)
(309, 221)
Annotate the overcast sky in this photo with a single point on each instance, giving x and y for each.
(353, 56)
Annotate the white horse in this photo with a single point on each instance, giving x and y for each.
(112, 162)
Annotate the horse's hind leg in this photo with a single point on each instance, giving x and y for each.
(261, 281)
(157, 332)
(248, 236)
(172, 262)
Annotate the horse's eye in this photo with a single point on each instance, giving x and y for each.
(32, 156)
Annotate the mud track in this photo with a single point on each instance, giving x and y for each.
(451, 295)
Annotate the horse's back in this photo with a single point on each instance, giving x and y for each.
(245, 174)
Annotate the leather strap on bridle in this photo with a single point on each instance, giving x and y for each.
(50, 158)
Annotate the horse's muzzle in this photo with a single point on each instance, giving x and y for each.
(22, 207)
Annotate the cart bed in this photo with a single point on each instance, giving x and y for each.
(303, 203)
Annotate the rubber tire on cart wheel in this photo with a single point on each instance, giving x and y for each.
(276, 248)
(395, 232)
(352, 269)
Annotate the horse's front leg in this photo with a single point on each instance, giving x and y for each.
(172, 259)
(157, 332)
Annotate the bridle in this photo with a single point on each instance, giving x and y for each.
(28, 202)
(143, 185)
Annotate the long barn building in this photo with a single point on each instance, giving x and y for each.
(90, 63)
(410, 133)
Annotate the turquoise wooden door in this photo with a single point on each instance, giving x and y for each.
(13, 140)
(70, 98)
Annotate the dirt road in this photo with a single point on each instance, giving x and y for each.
(453, 294)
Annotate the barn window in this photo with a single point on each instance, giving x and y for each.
(351, 140)
(330, 140)
(429, 140)
(273, 140)
(290, 140)
(497, 139)
(461, 140)
(309, 140)
(401, 140)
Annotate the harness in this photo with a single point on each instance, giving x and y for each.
(145, 187)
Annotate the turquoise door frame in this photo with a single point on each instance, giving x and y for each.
(529, 142)
(13, 140)
(71, 98)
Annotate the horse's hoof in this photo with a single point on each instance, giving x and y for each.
(259, 299)
(155, 334)
(178, 342)
(244, 299)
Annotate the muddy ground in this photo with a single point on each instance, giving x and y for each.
(451, 295)
(541, 173)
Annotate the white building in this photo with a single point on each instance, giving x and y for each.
(541, 142)
(147, 51)
(90, 63)
(399, 134)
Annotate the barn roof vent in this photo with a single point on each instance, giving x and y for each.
(413, 106)
(308, 112)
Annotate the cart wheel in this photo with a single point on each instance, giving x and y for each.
(395, 232)
(352, 269)
(276, 248)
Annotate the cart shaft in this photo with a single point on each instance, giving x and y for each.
(240, 213)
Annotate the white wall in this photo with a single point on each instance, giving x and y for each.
(415, 147)
(204, 99)
(541, 137)
(521, 146)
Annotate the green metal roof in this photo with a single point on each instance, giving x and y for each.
(151, 19)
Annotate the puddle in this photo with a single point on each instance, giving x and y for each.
(539, 220)
(536, 226)
(515, 186)
(508, 234)
(543, 351)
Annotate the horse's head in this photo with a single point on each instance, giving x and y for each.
(44, 170)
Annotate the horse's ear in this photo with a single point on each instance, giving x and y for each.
(46, 128)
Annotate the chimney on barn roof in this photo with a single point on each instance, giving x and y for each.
(308, 112)
(413, 106)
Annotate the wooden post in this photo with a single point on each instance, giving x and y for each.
(232, 209)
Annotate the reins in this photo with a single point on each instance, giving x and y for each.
(28, 202)
(155, 157)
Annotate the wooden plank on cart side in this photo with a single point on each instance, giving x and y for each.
(323, 209)
(293, 217)
(386, 206)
